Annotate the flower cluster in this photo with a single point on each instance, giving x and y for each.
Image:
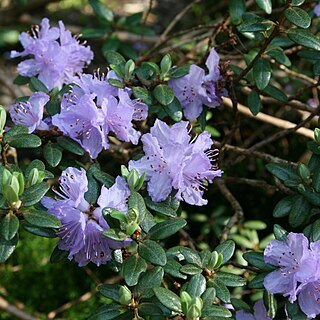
(299, 274)
(30, 113)
(172, 161)
(197, 89)
(94, 108)
(260, 313)
(56, 55)
(83, 224)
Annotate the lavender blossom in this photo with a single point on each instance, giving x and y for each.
(83, 224)
(30, 113)
(316, 10)
(197, 89)
(289, 256)
(57, 56)
(260, 313)
(94, 109)
(173, 162)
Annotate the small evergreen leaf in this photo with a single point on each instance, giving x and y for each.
(304, 38)
(261, 73)
(7, 247)
(9, 226)
(226, 249)
(132, 268)
(163, 94)
(298, 17)
(52, 154)
(168, 299)
(152, 252)
(41, 218)
(165, 229)
(70, 145)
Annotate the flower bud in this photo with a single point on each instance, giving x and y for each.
(3, 118)
(125, 295)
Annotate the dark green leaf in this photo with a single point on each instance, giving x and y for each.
(41, 218)
(279, 232)
(226, 249)
(14, 131)
(152, 252)
(257, 282)
(297, 2)
(254, 23)
(294, 311)
(222, 291)
(315, 233)
(304, 38)
(115, 234)
(132, 268)
(93, 186)
(278, 55)
(275, 93)
(58, 255)
(165, 229)
(137, 203)
(237, 9)
(110, 291)
(148, 309)
(53, 107)
(52, 154)
(116, 83)
(174, 110)
(25, 141)
(284, 206)
(191, 256)
(265, 5)
(300, 211)
(101, 10)
(107, 312)
(114, 57)
(21, 80)
(230, 280)
(9, 226)
(34, 194)
(261, 73)
(70, 145)
(298, 17)
(149, 280)
(143, 94)
(196, 286)
(36, 85)
(7, 247)
(285, 173)
(208, 296)
(34, 164)
(256, 259)
(254, 102)
(216, 311)
(190, 269)
(42, 232)
(168, 299)
(173, 268)
(104, 178)
(161, 207)
(179, 72)
(163, 94)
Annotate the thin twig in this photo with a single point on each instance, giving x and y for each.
(20, 314)
(238, 211)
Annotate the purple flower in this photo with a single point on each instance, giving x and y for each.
(197, 89)
(172, 161)
(289, 256)
(316, 10)
(83, 224)
(260, 313)
(30, 113)
(56, 55)
(94, 109)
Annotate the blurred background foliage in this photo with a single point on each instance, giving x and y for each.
(62, 290)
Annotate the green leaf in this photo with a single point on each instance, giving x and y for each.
(53, 107)
(298, 17)
(284, 206)
(114, 57)
(110, 291)
(255, 225)
(300, 212)
(41, 218)
(196, 286)
(254, 102)
(163, 94)
(190, 269)
(152, 252)
(208, 296)
(230, 280)
(226, 249)
(216, 311)
(294, 311)
(275, 93)
(58, 255)
(161, 207)
(52, 154)
(34, 194)
(265, 5)
(174, 110)
(278, 55)
(25, 141)
(173, 268)
(237, 8)
(285, 173)
(168, 299)
(279, 232)
(148, 308)
(14, 131)
(166, 229)
(254, 23)
(36, 85)
(132, 268)
(9, 226)
(222, 291)
(116, 83)
(21, 80)
(136, 202)
(304, 38)
(101, 10)
(179, 72)
(149, 280)
(297, 2)
(261, 73)
(107, 312)
(104, 178)
(38, 231)
(93, 186)
(114, 234)
(143, 94)
(70, 145)
(191, 256)
(256, 259)
(7, 247)
(257, 282)
(315, 233)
